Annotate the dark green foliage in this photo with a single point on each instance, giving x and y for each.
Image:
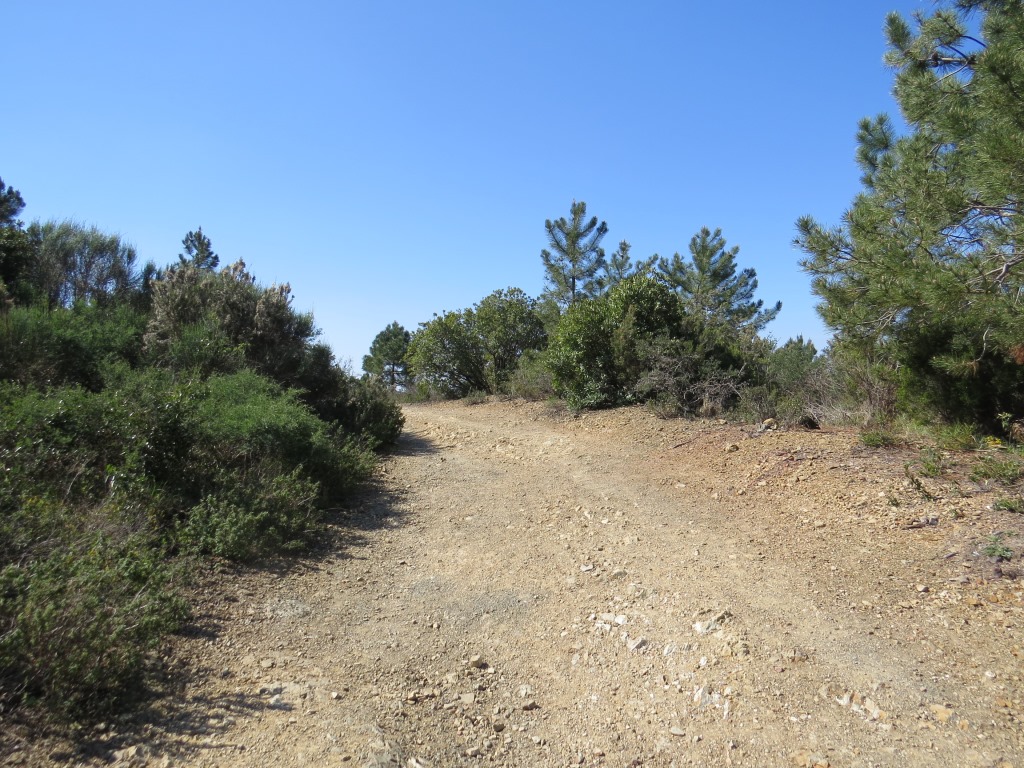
(70, 445)
(509, 326)
(15, 250)
(636, 343)
(710, 287)
(115, 469)
(788, 388)
(257, 512)
(701, 370)
(619, 266)
(368, 409)
(219, 314)
(477, 349)
(80, 608)
(448, 356)
(198, 251)
(43, 348)
(924, 274)
(532, 378)
(387, 356)
(574, 263)
(601, 348)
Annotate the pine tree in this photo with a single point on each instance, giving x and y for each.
(620, 265)
(387, 355)
(711, 288)
(15, 250)
(925, 271)
(198, 251)
(576, 257)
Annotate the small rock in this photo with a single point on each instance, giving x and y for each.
(619, 573)
(476, 661)
(473, 752)
(637, 643)
(530, 705)
(267, 663)
(498, 725)
(731, 448)
(467, 698)
(134, 755)
(922, 588)
(941, 713)
(675, 730)
(276, 701)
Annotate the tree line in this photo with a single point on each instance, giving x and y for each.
(608, 330)
(920, 283)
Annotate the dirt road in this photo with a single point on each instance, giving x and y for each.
(528, 589)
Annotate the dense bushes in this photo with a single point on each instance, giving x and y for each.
(146, 421)
(476, 350)
(80, 607)
(602, 345)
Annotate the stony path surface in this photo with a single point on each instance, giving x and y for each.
(527, 589)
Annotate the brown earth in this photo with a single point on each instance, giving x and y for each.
(523, 588)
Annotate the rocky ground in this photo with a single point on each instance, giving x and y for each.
(524, 588)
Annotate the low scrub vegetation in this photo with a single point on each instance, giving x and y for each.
(148, 419)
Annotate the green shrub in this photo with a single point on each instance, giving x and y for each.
(50, 348)
(80, 446)
(370, 412)
(79, 612)
(256, 513)
(601, 349)
(247, 420)
(532, 379)
(787, 392)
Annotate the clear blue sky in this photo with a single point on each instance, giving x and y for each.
(392, 160)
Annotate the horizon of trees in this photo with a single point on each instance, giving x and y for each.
(920, 283)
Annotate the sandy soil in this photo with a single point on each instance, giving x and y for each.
(523, 588)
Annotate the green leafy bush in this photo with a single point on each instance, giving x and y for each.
(532, 378)
(80, 607)
(370, 411)
(245, 419)
(602, 346)
(48, 348)
(259, 512)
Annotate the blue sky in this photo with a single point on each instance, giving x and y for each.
(392, 160)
